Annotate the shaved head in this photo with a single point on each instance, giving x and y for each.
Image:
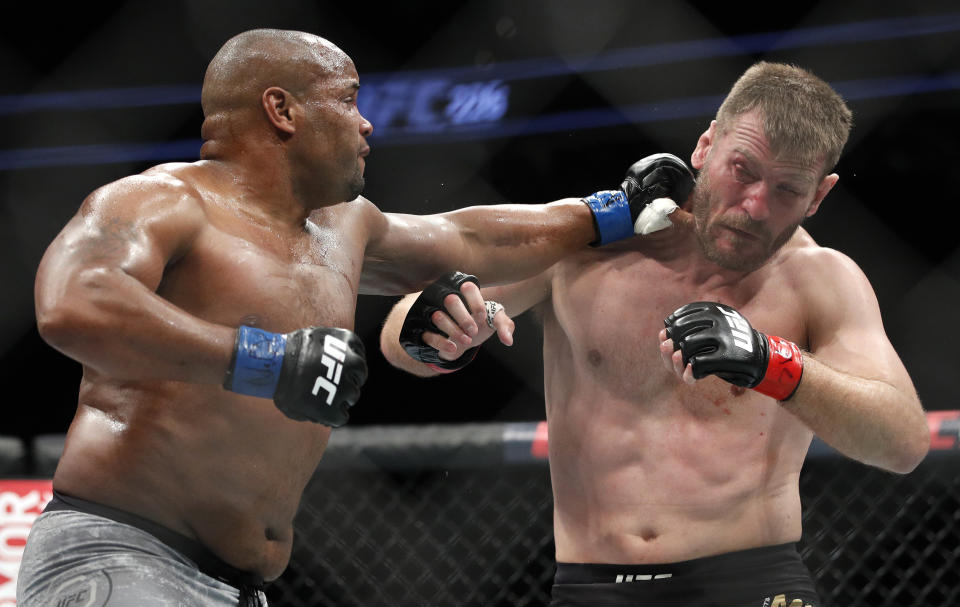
(255, 60)
(286, 100)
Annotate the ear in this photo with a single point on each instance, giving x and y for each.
(826, 184)
(703, 146)
(278, 105)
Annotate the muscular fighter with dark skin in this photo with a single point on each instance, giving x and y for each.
(147, 284)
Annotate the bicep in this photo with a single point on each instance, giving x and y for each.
(124, 227)
(405, 252)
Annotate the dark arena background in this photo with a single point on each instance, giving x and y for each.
(437, 493)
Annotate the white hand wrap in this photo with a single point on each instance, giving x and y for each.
(653, 217)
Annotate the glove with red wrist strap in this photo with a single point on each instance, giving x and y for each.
(716, 340)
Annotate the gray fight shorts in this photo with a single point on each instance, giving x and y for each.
(78, 559)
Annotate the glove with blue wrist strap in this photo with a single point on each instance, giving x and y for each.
(637, 207)
(312, 374)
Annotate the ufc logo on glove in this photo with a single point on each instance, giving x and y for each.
(292, 368)
(715, 339)
(739, 327)
(334, 355)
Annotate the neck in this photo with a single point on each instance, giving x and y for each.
(261, 185)
(708, 274)
(680, 248)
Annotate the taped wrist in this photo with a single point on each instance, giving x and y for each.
(784, 369)
(254, 369)
(611, 216)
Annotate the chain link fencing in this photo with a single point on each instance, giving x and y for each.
(437, 516)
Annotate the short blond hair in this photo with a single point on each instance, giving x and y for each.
(802, 116)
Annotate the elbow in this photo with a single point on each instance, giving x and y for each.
(64, 315)
(912, 452)
(58, 325)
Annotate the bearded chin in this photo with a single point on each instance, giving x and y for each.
(728, 260)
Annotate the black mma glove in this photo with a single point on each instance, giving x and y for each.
(311, 374)
(418, 321)
(716, 340)
(622, 213)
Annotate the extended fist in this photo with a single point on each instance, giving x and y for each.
(651, 190)
(312, 374)
(715, 339)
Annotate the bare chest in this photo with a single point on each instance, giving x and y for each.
(608, 312)
(613, 403)
(244, 277)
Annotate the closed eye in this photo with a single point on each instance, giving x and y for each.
(742, 175)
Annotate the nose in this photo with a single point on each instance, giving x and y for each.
(756, 201)
(366, 127)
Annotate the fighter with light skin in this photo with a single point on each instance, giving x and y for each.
(686, 371)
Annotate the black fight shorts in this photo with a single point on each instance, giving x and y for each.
(772, 576)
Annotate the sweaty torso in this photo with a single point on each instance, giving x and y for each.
(645, 468)
(223, 468)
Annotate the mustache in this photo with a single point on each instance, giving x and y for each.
(702, 201)
(745, 224)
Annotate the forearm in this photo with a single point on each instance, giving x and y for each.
(110, 322)
(496, 243)
(505, 243)
(513, 244)
(871, 421)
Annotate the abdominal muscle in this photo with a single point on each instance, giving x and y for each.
(217, 467)
(673, 479)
